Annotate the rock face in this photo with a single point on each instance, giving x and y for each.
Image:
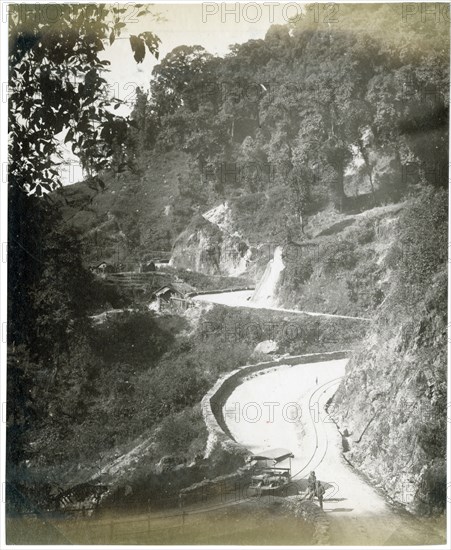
(208, 246)
(392, 403)
(267, 346)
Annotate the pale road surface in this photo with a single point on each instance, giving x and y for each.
(284, 407)
(242, 298)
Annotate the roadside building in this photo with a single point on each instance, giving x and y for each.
(173, 296)
(148, 267)
(103, 268)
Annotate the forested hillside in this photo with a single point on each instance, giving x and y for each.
(329, 140)
(304, 138)
(351, 114)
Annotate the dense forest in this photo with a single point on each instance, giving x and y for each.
(311, 119)
(309, 115)
(351, 114)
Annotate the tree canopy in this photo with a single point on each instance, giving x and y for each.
(58, 90)
(310, 99)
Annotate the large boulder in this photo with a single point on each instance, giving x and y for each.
(267, 346)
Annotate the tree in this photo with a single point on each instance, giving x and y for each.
(300, 181)
(49, 290)
(57, 89)
(180, 80)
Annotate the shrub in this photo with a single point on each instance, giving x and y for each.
(339, 255)
(363, 286)
(366, 234)
(137, 338)
(182, 433)
(424, 237)
(297, 274)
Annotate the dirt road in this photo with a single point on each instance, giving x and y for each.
(285, 408)
(242, 298)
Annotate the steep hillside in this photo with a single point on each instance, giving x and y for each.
(393, 399)
(339, 265)
(133, 215)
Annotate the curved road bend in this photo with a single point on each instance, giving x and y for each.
(284, 407)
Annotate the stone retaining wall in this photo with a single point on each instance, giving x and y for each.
(310, 512)
(228, 453)
(213, 402)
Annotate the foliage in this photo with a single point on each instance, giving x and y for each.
(277, 112)
(285, 119)
(318, 96)
(297, 274)
(57, 87)
(57, 92)
(234, 330)
(402, 367)
(181, 433)
(138, 338)
(339, 255)
(363, 286)
(366, 235)
(423, 234)
(419, 254)
(49, 300)
(202, 282)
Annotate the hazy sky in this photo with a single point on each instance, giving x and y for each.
(212, 25)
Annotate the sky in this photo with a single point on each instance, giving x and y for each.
(215, 26)
(211, 25)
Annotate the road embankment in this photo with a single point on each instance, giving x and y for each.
(219, 436)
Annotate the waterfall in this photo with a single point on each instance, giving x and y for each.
(266, 288)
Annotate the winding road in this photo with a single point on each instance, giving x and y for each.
(242, 298)
(284, 407)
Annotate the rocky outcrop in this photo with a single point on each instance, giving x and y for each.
(391, 406)
(210, 244)
(266, 346)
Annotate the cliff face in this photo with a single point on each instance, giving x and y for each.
(210, 246)
(391, 406)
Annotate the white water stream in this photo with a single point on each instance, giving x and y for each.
(264, 294)
(263, 297)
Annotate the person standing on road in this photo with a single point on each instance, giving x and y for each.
(311, 486)
(319, 492)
